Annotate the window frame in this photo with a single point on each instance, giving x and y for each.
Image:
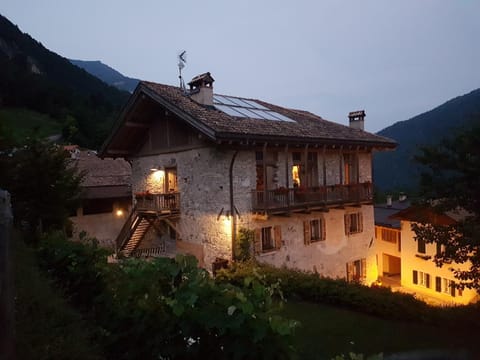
(309, 233)
(358, 221)
(275, 239)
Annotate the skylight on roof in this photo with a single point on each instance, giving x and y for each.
(246, 108)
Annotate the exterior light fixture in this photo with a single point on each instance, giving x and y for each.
(119, 212)
(220, 214)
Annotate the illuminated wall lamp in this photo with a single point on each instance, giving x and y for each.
(227, 214)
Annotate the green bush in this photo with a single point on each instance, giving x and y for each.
(169, 308)
(378, 301)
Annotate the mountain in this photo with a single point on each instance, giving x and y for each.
(397, 170)
(39, 80)
(107, 74)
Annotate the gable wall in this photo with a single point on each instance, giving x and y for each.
(203, 184)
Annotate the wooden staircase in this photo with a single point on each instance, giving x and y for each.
(142, 217)
(138, 232)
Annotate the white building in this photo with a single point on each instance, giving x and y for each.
(408, 264)
(206, 165)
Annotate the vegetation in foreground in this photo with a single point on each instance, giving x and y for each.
(167, 308)
(46, 326)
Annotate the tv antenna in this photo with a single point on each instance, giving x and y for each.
(182, 60)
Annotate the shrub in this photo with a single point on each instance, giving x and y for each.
(375, 300)
(169, 308)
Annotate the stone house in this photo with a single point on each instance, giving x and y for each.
(106, 197)
(205, 166)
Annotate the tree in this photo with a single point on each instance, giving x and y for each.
(44, 184)
(451, 184)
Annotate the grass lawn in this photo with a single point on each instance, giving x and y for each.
(327, 331)
(22, 123)
(47, 327)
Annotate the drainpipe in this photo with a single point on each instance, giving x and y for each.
(232, 205)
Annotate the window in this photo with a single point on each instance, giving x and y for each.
(350, 163)
(446, 286)
(390, 235)
(353, 223)
(421, 248)
(421, 278)
(424, 279)
(439, 249)
(313, 230)
(268, 238)
(357, 270)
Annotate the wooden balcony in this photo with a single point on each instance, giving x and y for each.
(285, 200)
(158, 203)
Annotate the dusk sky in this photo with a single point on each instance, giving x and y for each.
(395, 59)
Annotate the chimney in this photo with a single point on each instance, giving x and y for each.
(389, 200)
(357, 119)
(201, 89)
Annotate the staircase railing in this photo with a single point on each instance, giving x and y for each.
(127, 229)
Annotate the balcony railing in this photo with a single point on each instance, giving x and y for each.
(169, 202)
(285, 199)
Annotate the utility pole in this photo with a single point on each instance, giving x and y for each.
(6, 279)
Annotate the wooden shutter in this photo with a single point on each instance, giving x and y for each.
(307, 237)
(438, 284)
(364, 268)
(349, 271)
(360, 222)
(415, 276)
(323, 230)
(258, 241)
(427, 280)
(452, 288)
(277, 231)
(347, 224)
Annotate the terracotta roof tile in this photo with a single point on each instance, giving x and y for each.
(306, 125)
(107, 172)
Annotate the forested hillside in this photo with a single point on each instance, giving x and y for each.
(107, 74)
(34, 78)
(397, 170)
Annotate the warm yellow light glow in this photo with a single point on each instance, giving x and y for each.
(226, 225)
(158, 175)
(119, 212)
(296, 175)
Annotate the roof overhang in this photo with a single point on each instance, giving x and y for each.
(423, 214)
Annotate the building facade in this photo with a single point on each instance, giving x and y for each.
(408, 264)
(205, 166)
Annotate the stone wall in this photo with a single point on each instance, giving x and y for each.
(104, 227)
(329, 257)
(203, 183)
(205, 223)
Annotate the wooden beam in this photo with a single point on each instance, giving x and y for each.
(136, 125)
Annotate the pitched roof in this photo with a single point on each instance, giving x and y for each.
(424, 214)
(384, 214)
(102, 173)
(219, 126)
